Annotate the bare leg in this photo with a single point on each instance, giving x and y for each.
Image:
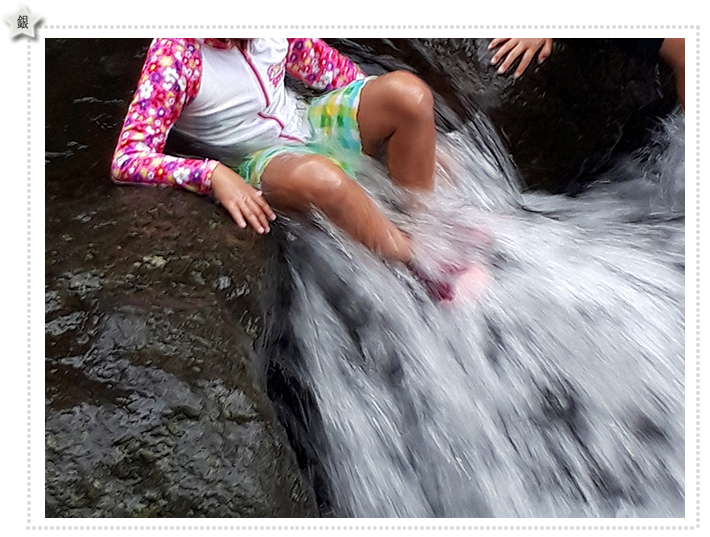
(396, 113)
(673, 54)
(299, 183)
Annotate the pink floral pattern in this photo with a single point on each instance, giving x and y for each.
(170, 79)
(319, 66)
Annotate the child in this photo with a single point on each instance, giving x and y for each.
(227, 97)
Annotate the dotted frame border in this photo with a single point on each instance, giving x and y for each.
(29, 280)
(328, 527)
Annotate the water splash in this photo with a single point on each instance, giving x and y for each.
(559, 392)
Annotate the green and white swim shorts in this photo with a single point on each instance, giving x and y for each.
(334, 129)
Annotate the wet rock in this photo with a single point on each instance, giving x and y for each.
(152, 408)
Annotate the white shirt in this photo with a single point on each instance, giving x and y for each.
(242, 104)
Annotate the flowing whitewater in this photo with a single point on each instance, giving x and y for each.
(556, 391)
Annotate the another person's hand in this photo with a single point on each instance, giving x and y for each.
(245, 203)
(512, 48)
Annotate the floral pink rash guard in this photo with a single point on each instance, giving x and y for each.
(170, 80)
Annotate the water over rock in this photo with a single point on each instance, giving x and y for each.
(156, 401)
(555, 391)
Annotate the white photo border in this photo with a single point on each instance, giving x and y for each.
(23, 143)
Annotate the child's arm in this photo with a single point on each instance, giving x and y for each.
(169, 80)
(319, 65)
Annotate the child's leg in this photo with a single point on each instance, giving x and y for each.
(397, 111)
(673, 54)
(301, 182)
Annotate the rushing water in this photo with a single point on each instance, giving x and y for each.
(557, 391)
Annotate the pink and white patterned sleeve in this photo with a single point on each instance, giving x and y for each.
(169, 80)
(320, 66)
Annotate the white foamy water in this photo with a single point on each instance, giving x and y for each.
(558, 391)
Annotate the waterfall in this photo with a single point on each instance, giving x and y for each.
(556, 391)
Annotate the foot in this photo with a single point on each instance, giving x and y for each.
(453, 283)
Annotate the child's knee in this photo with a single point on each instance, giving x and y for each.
(324, 184)
(410, 95)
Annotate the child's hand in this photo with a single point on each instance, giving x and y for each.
(512, 48)
(244, 202)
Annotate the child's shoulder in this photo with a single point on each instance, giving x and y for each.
(182, 48)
